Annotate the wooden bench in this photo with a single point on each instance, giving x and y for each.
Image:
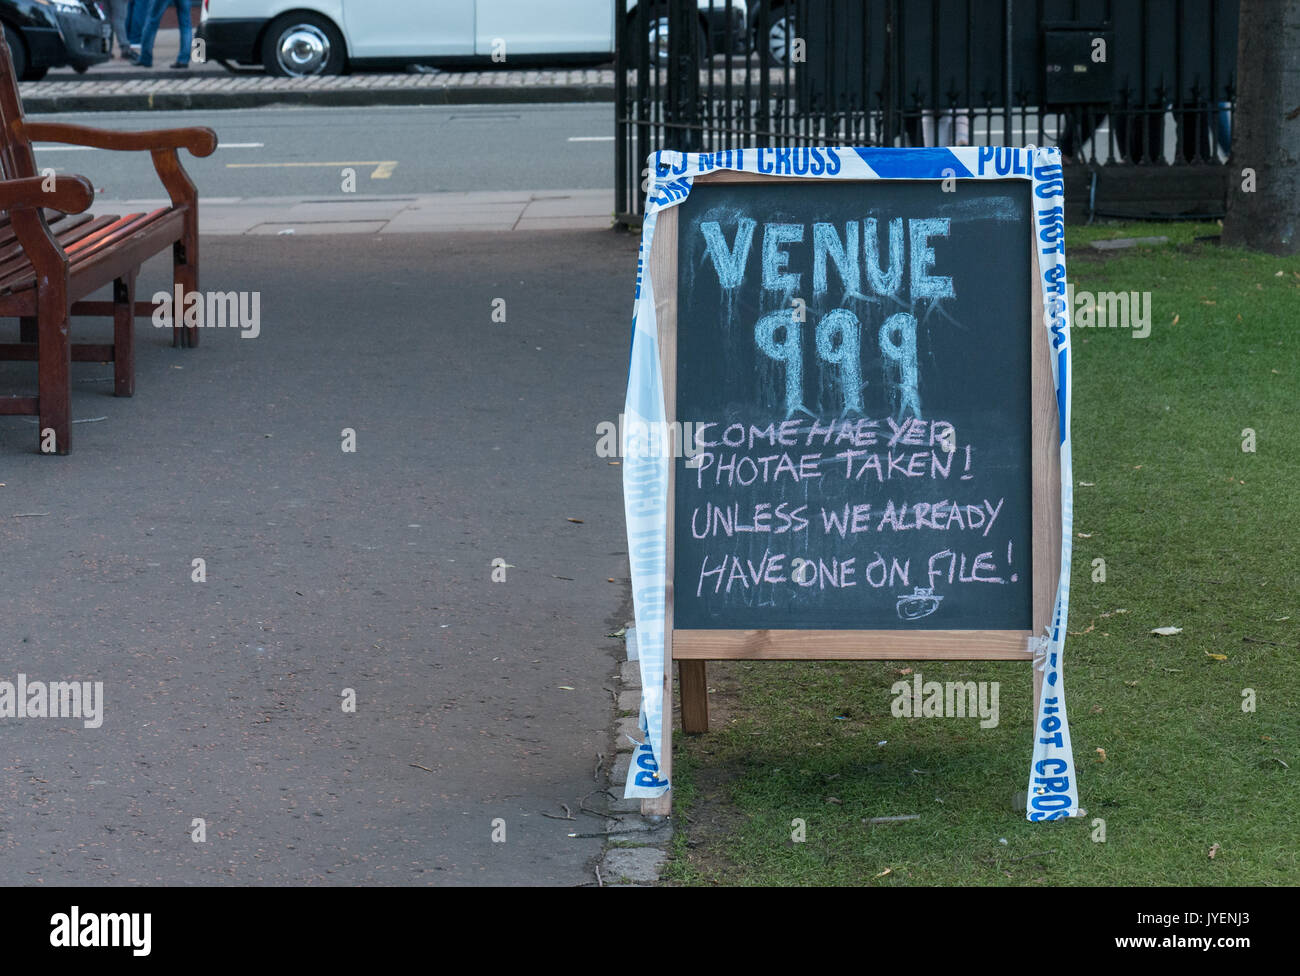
(53, 254)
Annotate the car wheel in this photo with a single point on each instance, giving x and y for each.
(302, 45)
(17, 52)
(36, 74)
(780, 37)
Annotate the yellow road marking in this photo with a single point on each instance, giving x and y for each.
(383, 167)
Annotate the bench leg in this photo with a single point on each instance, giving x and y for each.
(27, 328)
(124, 335)
(54, 378)
(185, 273)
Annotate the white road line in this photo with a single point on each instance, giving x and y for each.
(591, 138)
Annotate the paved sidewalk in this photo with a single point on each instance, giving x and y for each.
(117, 90)
(521, 210)
(482, 711)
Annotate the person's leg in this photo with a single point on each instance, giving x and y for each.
(117, 16)
(151, 32)
(187, 31)
(137, 12)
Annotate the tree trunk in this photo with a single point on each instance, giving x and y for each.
(1263, 211)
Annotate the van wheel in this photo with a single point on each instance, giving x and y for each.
(303, 45)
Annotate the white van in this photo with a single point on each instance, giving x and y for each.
(327, 37)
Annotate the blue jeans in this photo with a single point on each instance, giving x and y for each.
(151, 31)
(135, 19)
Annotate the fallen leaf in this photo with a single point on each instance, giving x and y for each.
(578, 521)
(1101, 755)
(1175, 321)
(1096, 709)
(1214, 850)
(1216, 657)
(565, 687)
(1085, 535)
(1087, 484)
(1167, 631)
(1131, 684)
(904, 671)
(835, 799)
(885, 872)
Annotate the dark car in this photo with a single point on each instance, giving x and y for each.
(45, 34)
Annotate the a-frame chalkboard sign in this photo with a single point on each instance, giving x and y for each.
(866, 383)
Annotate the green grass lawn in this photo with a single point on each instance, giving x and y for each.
(1195, 533)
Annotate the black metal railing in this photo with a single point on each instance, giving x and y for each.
(1120, 87)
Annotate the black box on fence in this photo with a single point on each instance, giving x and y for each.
(1077, 66)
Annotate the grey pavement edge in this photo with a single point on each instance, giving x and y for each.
(496, 210)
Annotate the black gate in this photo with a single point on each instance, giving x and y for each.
(1138, 94)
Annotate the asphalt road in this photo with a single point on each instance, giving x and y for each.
(290, 151)
(477, 701)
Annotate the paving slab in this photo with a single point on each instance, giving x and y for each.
(640, 865)
(378, 214)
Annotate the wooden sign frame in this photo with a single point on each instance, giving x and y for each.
(693, 648)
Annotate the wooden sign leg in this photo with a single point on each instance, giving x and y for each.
(695, 696)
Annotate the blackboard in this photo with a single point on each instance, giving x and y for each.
(886, 487)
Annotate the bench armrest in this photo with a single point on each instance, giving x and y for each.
(200, 141)
(70, 194)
